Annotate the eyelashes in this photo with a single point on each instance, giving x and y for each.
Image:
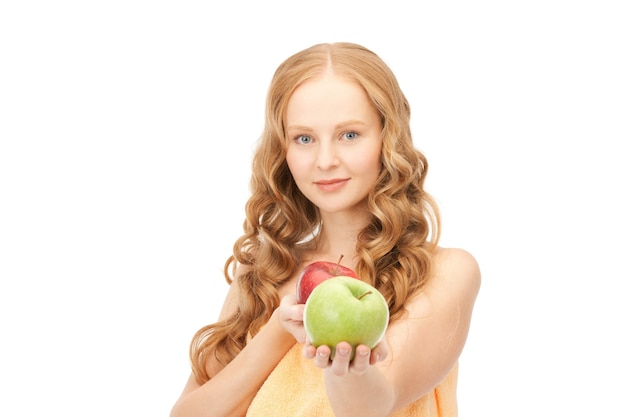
(303, 139)
(348, 136)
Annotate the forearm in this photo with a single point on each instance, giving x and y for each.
(230, 392)
(369, 394)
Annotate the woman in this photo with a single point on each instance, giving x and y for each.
(336, 174)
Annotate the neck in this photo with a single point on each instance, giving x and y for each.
(339, 235)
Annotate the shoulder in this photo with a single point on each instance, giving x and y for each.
(456, 267)
(454, 283)
(454, 286)
(231, 302)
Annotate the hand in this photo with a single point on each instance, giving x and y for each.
(341, 364)
(290, 315)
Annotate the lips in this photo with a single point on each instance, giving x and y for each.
(332, 184)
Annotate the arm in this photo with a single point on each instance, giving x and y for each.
(422, 346)
(231, 388)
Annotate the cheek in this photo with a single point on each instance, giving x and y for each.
(370, 162)
(294, 163)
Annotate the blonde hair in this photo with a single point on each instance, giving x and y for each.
(395, 248)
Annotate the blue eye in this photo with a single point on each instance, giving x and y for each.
(304, 139)
(350, 135)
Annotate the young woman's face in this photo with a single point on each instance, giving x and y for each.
(334, 143)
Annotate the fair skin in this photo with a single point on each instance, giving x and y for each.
(334, 144)
(333, 153)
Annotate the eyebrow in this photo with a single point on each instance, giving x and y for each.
(339, 126)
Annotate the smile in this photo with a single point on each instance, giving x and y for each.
(331, 185)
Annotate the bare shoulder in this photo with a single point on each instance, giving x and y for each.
(458, 268)
(231, 302)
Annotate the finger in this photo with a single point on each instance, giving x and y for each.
(309, 351)
(361, 361)
(341, 361)
(290, 310)
(296, 312)
(322, 357)
(288, 300)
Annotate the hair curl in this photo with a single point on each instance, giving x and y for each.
(395, 248)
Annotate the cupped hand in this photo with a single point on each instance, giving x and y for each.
(364, 357)
(290, 314)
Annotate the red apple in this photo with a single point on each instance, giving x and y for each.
(317, 272)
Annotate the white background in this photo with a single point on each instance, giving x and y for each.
(127, 129)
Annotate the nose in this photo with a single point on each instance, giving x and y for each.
(327, 157)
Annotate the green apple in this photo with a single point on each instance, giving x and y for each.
(345, 309)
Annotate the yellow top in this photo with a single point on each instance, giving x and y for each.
(295, 388)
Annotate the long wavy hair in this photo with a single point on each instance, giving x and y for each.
(395, 249)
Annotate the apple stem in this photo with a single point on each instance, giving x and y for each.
(338, 262)
(364, 294)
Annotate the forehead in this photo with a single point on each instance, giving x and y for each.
(328, 97)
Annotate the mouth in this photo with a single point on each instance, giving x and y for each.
(332, 184)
